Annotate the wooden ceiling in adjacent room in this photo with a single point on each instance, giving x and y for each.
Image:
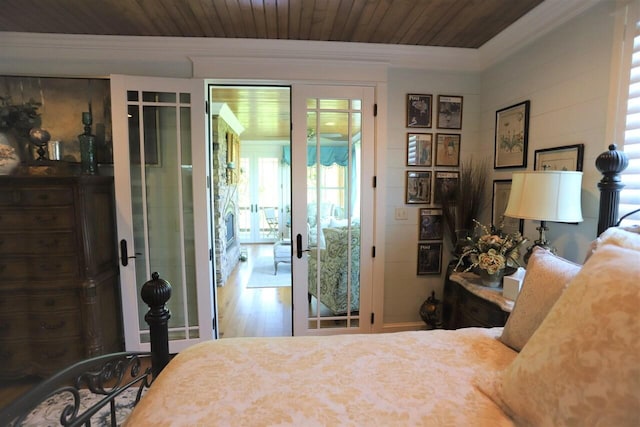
(448, 23)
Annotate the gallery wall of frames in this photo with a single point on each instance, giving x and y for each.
(433, 160)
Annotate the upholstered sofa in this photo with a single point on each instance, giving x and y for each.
(333, 274)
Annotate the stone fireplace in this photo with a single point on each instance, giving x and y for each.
(226, 142)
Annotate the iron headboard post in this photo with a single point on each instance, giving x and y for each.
(610, 164)
(155, 293)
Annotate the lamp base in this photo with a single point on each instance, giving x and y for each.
(541, 242)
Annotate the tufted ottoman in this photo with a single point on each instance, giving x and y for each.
(281, 253)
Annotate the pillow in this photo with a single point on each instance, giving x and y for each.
(545, 280)
(582, 365)
(337, 223)
(626, 237)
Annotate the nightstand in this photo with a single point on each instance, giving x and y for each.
(467, 303)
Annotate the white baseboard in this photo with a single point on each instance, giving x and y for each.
(404, 326)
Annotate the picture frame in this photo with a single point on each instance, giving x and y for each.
(565, 158)
(448, 149)
(449, 112)
(429, 258)
(430, 224)
(419, 149)
(512, 136)
(418, 187)
(499, 200)
(419, 110)
(444, 180)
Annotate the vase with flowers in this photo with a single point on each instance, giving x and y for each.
(491, 253)
(15, 122)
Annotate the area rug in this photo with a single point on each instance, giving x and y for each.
(262, 274)
(48, 413)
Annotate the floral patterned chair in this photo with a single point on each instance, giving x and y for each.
(333, 270)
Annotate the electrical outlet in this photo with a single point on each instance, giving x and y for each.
(401, 214)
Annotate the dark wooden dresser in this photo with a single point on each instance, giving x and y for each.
(59, 285)
(467, 303)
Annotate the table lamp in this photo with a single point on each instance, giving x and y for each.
(545, 196)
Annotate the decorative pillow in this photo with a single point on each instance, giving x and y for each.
(545, 280)
(582, 365)
(626, 237)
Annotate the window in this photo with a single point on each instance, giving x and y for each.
(630, 195)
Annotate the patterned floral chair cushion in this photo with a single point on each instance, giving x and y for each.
(333, 270)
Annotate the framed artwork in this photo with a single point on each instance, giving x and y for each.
(418, 111)
(444, 181)
(418, 187)
(567, 158)
(419, 149)
(449, 112)
(430, 224)
(429, 258)
(501, 192)
(448, 149)
(512, 136)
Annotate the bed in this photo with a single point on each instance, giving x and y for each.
(568, 355)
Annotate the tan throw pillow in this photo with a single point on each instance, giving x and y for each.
(546, 278)
(582, 365)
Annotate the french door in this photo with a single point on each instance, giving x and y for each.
(332, 186)
(260, 194)
(160, 169)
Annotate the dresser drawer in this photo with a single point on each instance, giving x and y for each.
(14, 301)
(55, 325)
(45, 267)
(478, 312)
(13, 325)
(58, 218)
(49, 356)
(47, 302)
(45, 196)
(25, 196)
(37, 243)
(14, 358)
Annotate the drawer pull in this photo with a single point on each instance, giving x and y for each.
(48, 327)
(55, 355)
(46, 219)
(49, 244)
(50, 268)
(49, 302)
(43, 196)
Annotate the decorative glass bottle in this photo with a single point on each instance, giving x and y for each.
(88, 160)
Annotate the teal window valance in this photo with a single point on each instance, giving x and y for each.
(328, 155)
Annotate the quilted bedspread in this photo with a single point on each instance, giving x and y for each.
(406, 378)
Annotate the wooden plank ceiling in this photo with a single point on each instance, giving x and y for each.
(449, 23)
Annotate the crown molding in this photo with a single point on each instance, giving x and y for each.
(111, 52)
(541, 20)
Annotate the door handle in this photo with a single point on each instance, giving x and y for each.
(299, 249)
(124, 253)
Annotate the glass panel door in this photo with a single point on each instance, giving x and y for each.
(260, 195)
(155, 168)
(334, 230)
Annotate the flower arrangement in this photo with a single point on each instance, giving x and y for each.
(491, 250)
(7, 154)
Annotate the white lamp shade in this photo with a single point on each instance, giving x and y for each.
(546, 196)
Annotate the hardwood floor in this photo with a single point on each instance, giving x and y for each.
(253, 312)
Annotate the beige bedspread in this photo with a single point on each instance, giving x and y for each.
(406, 378)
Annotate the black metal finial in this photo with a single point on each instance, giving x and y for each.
(155, 293)
(610, 164)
